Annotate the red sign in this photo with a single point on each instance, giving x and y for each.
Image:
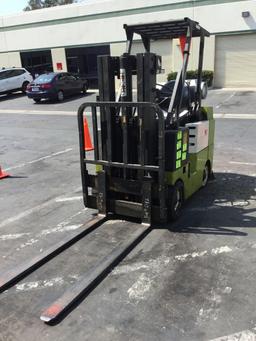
(59, 66)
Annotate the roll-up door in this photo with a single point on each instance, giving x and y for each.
(235, 61)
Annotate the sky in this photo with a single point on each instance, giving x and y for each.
(13, 6)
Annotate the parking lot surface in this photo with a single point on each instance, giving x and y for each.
(20, 102)
(223, 102)
(193, 280)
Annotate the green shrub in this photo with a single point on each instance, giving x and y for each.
(207, 76)
(171, 76)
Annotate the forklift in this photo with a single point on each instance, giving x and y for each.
(153, 153)
(153, 148)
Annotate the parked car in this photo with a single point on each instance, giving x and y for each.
(56, 86)
(14, 79)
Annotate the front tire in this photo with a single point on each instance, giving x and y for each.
(37, 100)
(60, 96)
(176, 200)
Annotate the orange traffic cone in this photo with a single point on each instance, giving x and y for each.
(3, 174)
(87, 138)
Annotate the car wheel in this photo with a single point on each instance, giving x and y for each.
(37, 100)
(204, 91)
(60, 95)
(24, 87)
(206, 174)
(85, 88)
(176, 201)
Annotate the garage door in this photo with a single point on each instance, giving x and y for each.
(235, 61)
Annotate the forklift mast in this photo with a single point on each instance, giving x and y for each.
(135, 138)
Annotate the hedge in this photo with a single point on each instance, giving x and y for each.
(207, 76)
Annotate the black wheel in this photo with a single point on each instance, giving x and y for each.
(85, 88)
(176, 198)
(60, 95)
(24, 87)
(206, 174)
(37, 100)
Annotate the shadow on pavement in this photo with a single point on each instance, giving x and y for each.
(213, 210)
(223, 207)
(13, 95)
(66, 100)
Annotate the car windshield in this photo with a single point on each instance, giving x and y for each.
(44, 79)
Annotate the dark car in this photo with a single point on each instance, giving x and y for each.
(56, 86)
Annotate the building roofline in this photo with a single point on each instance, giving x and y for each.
(102, 15)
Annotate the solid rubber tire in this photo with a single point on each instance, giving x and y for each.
(174, 212)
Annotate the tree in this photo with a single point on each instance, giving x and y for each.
(37, 4)
(33, 4)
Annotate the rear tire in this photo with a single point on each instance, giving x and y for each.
(176, 200)
(24, 87)
(84, 89)
(37, 100)
(60, 96)
(206, 174)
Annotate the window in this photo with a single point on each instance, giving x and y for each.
(37, 62)
(45, 78)
(62, 77)
(71, 78)
(4, 74)
(15, 73)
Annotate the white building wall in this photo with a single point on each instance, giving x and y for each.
(161, 47)
(101, 22)
(77, 29)
(10, 60)
(209, 53)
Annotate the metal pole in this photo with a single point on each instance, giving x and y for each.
(200, 68)
(178, 90)
(129, 41)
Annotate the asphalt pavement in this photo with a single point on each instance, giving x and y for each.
(192, 281)
(223, 101)
(19, 101)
